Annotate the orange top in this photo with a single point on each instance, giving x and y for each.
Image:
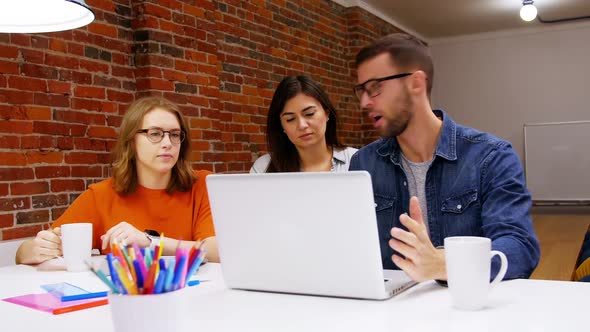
(180, 215)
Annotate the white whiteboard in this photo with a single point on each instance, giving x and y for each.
(557, 161)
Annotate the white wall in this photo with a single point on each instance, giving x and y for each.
(498, 82)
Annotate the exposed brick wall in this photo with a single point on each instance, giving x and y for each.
(62, 94)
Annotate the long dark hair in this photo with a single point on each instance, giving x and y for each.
(283, 154)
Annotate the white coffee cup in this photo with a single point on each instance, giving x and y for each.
(76, 241)
(468, 260)
(151, 312)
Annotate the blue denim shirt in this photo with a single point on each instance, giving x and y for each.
(475, 186)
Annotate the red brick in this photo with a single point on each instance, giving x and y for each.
(84, 143)
(6, 220)
(122, 72)
(20, 39)
(54, 128)
(26, 113)
(8, 67)
(107, 81)
(13, 159)
(44, 157)
(37, 142)
(158, 11)
(104, 158)
(15, 174)
(57, 212)
(65, 143)
(114, 121)
(103, 29)
(106, 132)
(61, 61)
(67, 185)
(4, 189)
(89, 92)
(108, 6)
(52, 100)
(194, 11)
(81, 158)
(8, 51)
(59, 87)
(46, 201)
(43, 172)
(57, 45)
(174, 75)
(76, 49)
(28, 188)
(86, 104)
(17, 97)
(109, 107)
(119, 96)
(32, 217)
(21, 232)
(94, 66)
(9, 142)
(157, 84)
(38, 113)
(87, 171)
(18, 203)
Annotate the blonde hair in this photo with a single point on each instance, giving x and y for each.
(124, 168)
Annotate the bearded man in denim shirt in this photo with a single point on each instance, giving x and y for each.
(453, 180)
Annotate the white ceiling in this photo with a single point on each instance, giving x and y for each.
(431, 19)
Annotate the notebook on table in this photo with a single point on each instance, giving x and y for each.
(302, 233)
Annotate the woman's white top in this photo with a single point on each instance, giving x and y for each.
(340, 161)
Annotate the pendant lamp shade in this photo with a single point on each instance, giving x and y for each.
(31, 16)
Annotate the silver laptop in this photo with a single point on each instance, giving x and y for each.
(303, 233)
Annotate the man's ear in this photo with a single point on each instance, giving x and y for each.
(419, 82)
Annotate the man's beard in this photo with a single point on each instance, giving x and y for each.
(397, 126)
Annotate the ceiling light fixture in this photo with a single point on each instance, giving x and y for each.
(32, 16)
(528, 12)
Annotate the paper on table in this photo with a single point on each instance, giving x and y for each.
(49, 303)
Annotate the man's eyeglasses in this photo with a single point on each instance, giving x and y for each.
(373, 86)
(156, 135)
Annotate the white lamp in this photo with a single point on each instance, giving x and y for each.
(30, 16)
(528, 12)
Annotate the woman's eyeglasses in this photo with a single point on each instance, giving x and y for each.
(156, 135)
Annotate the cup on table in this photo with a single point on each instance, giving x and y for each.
(76, 241)
(468, 260)
(150, 312)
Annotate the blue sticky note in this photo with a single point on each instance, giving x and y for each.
(68, 292)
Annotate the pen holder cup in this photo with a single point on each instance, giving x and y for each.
(150, 312)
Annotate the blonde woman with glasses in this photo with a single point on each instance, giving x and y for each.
(153, 190)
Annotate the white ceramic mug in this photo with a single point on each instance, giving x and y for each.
(468, 260)
(76, 241)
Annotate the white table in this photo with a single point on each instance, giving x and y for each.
(517, 305)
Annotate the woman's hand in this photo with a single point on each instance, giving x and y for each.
(124, 232)
(45, 246)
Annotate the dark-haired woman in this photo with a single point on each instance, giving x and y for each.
(301, 131)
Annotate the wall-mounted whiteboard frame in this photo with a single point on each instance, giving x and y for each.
(557, 161)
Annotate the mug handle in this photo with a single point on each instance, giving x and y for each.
(503, 266)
